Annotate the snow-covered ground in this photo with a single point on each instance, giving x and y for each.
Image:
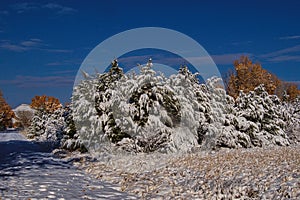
(29, 170)
(4, 137)
(254, 173)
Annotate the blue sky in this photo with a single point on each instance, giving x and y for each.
(42, 43)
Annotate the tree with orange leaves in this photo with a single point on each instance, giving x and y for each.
(249, 75)
(6, 114)
(292, 91)
(45, 103)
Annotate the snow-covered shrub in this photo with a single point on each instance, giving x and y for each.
(143, 112)
(258, 119)
(148, 112)
(103, 101)
(46, 126)
(56, 127)
(254, 119)
(91, 105)
(221, 106)
(291, 112)
(70, 140)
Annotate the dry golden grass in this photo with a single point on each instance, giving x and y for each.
(229, 173)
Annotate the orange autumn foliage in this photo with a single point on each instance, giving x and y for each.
(45, 103)
(292, 91)
(6, 114)
(248, 75)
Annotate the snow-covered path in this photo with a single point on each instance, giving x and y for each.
(4, 137)
(29, 170)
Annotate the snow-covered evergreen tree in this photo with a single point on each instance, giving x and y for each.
(291, 111)
(149, 112)
(104, 91)
(145, 110)
(56, 127)
(265, 113)
(257, 119)
(47, 126)
(71, 139)
(142, 112)
(37, 126)
(84, 113)
(194, 101)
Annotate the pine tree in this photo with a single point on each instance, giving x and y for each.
(104, 88)
(148, 112)
(291, 112)
(143, 109)
(47, 126)
(71, 139)
(264, 112)
(85, 116)
(57, 127)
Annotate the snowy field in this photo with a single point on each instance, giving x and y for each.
(28, 170)
(255, 173)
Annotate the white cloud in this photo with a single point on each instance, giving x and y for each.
(292, 37)
(12, 47)
(286, 54)
(27, 45)
(228, 59)
(32, 43)
(29, 6)
(64, 63)
(4, 12)
(59, 50)
(40, 82)
(241, 43)
(220, 59)
(24, 7)
(283, 51)
(22, 46)
(285, 58)
(59, 8)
